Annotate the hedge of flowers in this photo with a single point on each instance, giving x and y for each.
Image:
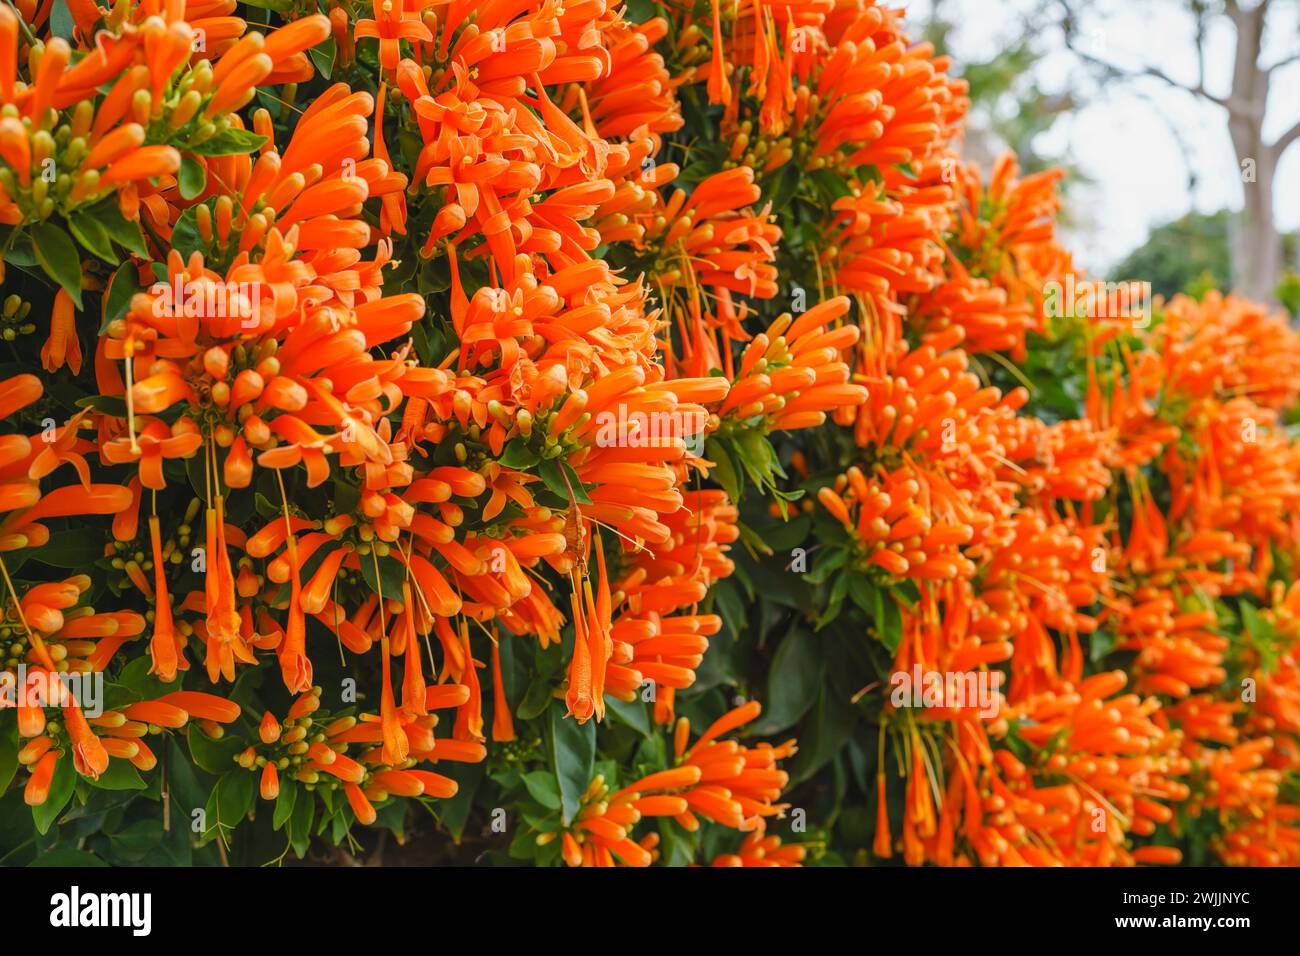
(521, 422)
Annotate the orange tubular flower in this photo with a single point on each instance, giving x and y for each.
(720, 780)
(713, 238)
(649, 641)
(1006, 259)
(393, 23)
(758, 849)
(794, 373)
(737, 784)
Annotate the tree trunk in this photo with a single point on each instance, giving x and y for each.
(1257, 245)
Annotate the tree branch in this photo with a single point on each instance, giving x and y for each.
(1285, 61)
(1120, 73)
(1184, 147)
(1068, 28)
(1200, 45)
(1285, 140)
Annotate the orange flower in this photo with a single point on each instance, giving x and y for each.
(393, 23)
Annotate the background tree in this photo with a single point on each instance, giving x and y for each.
(1009, 106)
(1256, 245)
(1185, 255)
(1191, 255)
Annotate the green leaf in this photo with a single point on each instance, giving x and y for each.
(518, 455)
(229, 142)
(304, 812)
(724, 470)
(424, 347)
(1100, 643)
(787, 182)
(1262, 637)
(434, 276)
(108, 404)
(553, 478)
(573, 756)
(889, 622)
(189, 786)
(120, 775)
(836, 602)
(57, 254)
(16, 247)
(66, 856)
(831, 185)
(69, 549)
(1256, 627)
(90, 232)
(579, 489)
(542, 788)
(135, 683)
(192, 178)
(61, 787)
(185, 234)
(870, 173)
(454, 813)
(822, 735)
(61, 22)
(634, 713)
(8, 755)
(758, 457)
(678, 846)
(391, 575)
(232, 799)
(122, 287)
(864, 594)
(390, 816)
(125, 233)
(536, 699)
(323, 54)
(553, 474)
(730, 605)
(825, 563)
(214, 756)
(347, 497)
(138, 840)
(639, 11)
(797, 672)
(284, 804)
(277, 5)
(788, 534)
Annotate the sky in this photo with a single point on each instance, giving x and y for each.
(1121, 137)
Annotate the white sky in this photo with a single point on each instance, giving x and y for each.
(1121, 137)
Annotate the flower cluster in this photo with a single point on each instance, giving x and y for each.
(406, 361)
